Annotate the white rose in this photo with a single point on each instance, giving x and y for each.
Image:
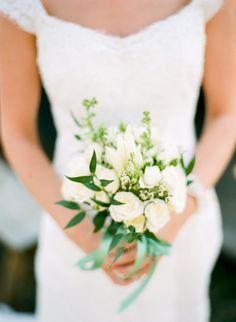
(158, 214)
(152, 176)
(108, 174)
(93, 146)
(138, 223)
(76, 191)
(175, 180)
(132, 207)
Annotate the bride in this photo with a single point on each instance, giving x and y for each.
(131, 56)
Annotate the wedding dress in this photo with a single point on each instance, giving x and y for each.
(159, 69)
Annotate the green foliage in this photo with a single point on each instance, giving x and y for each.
(99, 220)
(87, 181)
(115, 202)
(114, 227)
(76, 219)
(100, 203)
(105, 182)
(118, 254)
(93, 162)
(68, 204)
(189, 167)
(116, 240)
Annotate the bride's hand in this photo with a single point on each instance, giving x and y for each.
(119, 270)
(84, 237)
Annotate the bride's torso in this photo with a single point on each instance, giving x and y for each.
(158, 68)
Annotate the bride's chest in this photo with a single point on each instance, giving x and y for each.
(71, 56)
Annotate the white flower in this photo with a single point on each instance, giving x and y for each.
(132, 207)
(175, 180)
(155, 136)
(93, 146)
(138, 223)
(152, 176)
(76, 191)
(126, 146)
(108, 174)
(168, 152)
(158, 214)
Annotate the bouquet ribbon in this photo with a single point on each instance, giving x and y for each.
(96, 259)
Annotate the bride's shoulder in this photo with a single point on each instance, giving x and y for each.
(24, 13)
(210, 7)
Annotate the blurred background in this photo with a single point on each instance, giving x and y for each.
(19, 222)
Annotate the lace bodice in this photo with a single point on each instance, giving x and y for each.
(159, 69)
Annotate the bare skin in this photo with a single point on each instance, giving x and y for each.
(20, 94)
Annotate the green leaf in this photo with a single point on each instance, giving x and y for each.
(150, 235)
(131, 237)
(75, 119)
(182, 163)
(156, 246)
(117, 239)
(76, 220)
(189, 182)
(92, 186)
(78, 137)
(174, 162)
(68, 204)
(190, 166)
(93, 162)
(100, 203)
(118, 254)
(81, 179)
(114, 227)
(116, 202)
(99, 220)
(105, 182)
(87, 181)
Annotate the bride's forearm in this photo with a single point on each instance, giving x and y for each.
(215, 148)
(213, 152)
(35, 170)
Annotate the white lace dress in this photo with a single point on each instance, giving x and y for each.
(159, 68)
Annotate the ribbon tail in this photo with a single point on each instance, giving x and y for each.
(95, 260)
(133, 296)
(140, 257)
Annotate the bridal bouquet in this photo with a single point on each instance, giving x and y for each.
(133, 180)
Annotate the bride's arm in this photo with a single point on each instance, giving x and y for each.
(20, 96)
(217, 141)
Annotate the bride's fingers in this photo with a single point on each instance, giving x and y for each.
(128, 257)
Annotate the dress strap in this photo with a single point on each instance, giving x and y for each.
(25, 13)
(210, 7)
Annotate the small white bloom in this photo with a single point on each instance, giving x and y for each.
(152, 176)
(108, 174)
(76, 191)
(93, 146)
(175, 180)
(132, 207)
(138, 223)
(158, 214)
(132, 147)
(155, 135)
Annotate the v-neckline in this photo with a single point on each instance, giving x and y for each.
(112, 37)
